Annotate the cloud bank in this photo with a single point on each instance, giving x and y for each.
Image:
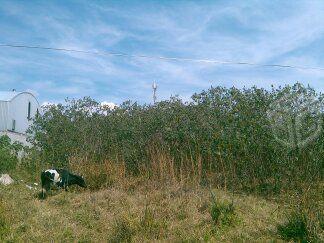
(255, 31)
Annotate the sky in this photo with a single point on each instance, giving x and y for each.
(264, 32)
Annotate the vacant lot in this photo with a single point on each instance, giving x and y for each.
(216, 168)
(133, 212)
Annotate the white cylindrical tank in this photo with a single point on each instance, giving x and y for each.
(22, 108)
(17, 109)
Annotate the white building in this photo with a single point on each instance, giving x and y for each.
(16, 112)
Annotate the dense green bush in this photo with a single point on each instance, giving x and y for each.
(227, 130)
(8, 154)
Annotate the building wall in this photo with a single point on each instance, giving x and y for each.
(4, 112)
(18, 111)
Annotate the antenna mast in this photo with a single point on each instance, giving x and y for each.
(154, 86)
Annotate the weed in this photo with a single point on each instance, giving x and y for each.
(150, 226)
(305, 218)
(223, 214)
(4, 228)
(97, 175)
(181, 213)
(122, 231)
(295, 228)
(67, 235)
(321, 221)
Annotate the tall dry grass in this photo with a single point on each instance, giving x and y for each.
(162, 167)
(98, 175)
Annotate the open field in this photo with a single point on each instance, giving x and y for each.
(133, 213)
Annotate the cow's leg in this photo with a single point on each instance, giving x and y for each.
(43, 192)
(45, 188)
(65, 182)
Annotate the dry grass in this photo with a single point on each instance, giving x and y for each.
(98, 175)
(161, 204)
(132, 211)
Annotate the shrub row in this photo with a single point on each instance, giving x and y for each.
(222, 136)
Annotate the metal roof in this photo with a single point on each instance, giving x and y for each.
(9, 95)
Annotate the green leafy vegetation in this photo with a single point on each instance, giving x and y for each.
(304, 219)
(8, 154)
(122, 232)
(222, 135)
(295, 228)
(222, 214)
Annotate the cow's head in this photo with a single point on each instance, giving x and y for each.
(80, 181)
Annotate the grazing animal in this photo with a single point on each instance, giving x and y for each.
(61, 178)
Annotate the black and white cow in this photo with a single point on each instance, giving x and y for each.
(61, 178)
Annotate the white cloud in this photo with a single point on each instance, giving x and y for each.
(106, 104)
(48, 103)
(247, 31)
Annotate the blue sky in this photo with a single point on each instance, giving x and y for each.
(284, 32)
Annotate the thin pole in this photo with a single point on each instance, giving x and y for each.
(154, 86)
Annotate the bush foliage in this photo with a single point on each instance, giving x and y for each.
(223, 134)
(8, 154)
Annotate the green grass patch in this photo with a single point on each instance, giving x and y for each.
(223, 214)
(295, 228)
(122, 231)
